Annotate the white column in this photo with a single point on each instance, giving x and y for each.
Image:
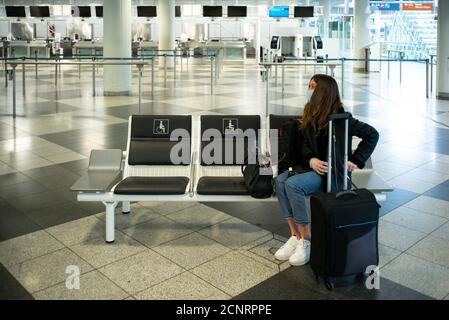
(326, 15)
(117, 44)
(443, 50)
(166, 13)
(361, 31)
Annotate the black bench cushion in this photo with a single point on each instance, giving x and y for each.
(150, 139)
(232, 186)
(227, 126)
(152, 185)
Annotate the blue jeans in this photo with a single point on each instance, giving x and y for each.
(293, 194)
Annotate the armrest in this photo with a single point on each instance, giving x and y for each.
(368, 179)
(103, 172)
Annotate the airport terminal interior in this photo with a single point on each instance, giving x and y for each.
(74, 71)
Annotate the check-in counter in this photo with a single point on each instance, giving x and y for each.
(234, 51)
(88, 48)
(147, 47)
(20, 48)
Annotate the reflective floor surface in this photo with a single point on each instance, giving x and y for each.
(207, 251)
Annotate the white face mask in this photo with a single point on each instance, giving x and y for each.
(309, 94)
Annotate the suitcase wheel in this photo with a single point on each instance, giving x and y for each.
(329, 285)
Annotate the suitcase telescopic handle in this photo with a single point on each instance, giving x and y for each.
(346, 193)
(338, 116)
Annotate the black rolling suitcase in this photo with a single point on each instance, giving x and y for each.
(344, 226)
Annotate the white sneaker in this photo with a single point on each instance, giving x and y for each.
(301, 256)
(287, 249)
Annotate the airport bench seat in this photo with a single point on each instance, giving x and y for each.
(226, 186)
(149, 175)
(152, 185)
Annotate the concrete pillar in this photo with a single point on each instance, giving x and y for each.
(326, 15)
(361, 32)
(166, 28)
(443, 50)
(117, 44)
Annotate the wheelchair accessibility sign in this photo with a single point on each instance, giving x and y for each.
(161, 126)
(230, 126)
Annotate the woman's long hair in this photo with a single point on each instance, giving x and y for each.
(325, 101)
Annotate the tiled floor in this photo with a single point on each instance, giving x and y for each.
(206, 251)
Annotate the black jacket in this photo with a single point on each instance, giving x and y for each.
(316, 146)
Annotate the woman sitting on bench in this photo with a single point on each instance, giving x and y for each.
(294, 188)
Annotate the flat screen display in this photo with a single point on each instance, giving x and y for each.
(99, 11)
(279, 12)
(40, 12)
(84, 11)
(178, 11)
(147, 11)
(304, 12)
(14, 11)
(212, 11)
(237, 11)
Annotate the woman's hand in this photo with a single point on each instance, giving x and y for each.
(319, 166)
(352, 166)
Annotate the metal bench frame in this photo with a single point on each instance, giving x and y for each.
(108, 165)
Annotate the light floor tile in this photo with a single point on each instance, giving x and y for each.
(198, 217)
(432, 249)
(442, 232)
(267, 250)
(185, 286)
(416, 220)
(27, 247)
(430, 205)
(138, 215)
(78, 231)
(437, 166)
(411, 184)
(66, 157)
(387, 254)
(426, 176)
(398, 237)
(98, 253)
(234, 233)
(31, 164)
(164, 208)
(141, 271)
(191, 250)
(233, 273)
(93, 286)
(5, 169)
(418, 274)
(157, 231)
(48, 270)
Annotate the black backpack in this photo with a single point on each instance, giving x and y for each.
(290, 142)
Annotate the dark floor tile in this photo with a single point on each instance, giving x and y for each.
(67, 194)
(21, 190)
(92, 207)
(13, 178)
(268, 217)
(53, 170)
(37, 201)
(234, 208)
(42, 108)
(76, 166)
(57, 214)
(401, 196)
(10, 288)
(52, 182)
(14, 223)
(299, 283)
(439, 192)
